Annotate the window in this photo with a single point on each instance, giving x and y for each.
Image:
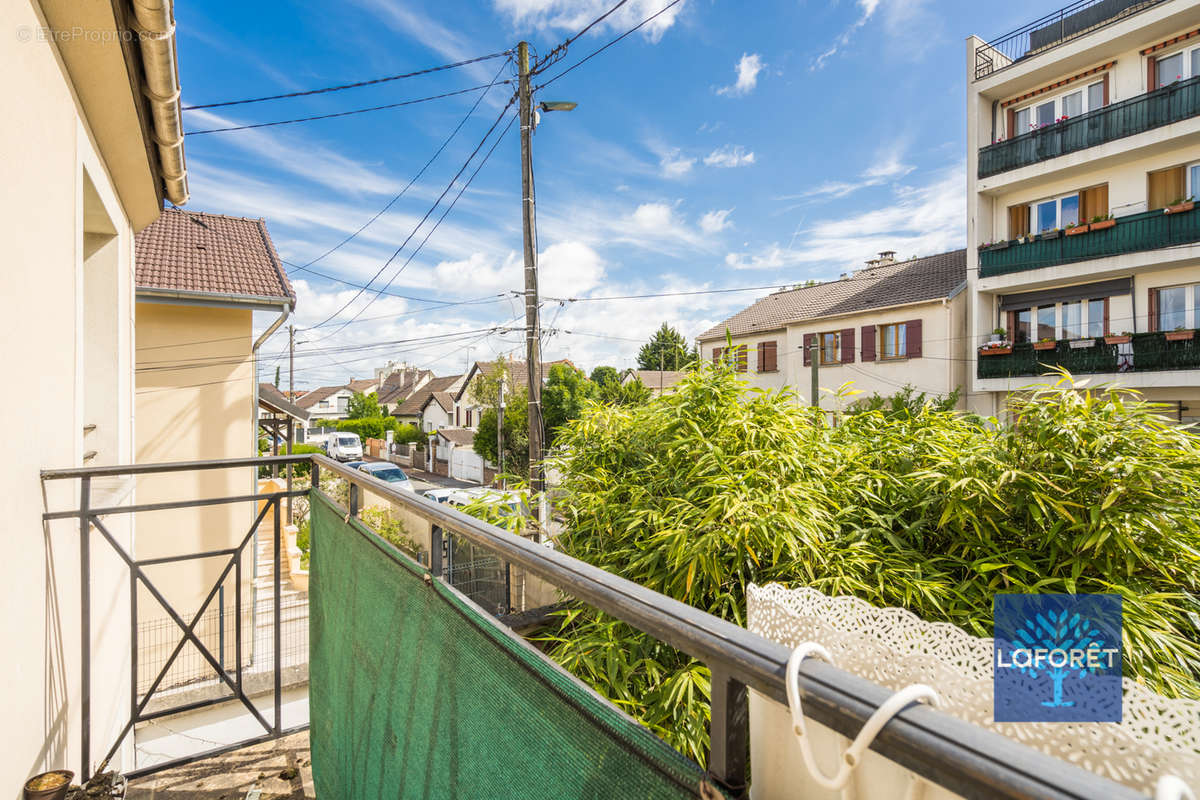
(468, 417)
(1046, 327)
(1180, 65)
(831, 346)
(1048, 111)
(1058, 212)
(892, 341)
(768, 356)
(1097, 317)
(739, 357)
(323, 404)
(1095, 95)
(1023, 319)
(1072, 320)
(1172, 308)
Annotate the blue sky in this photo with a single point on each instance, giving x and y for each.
(726, 144)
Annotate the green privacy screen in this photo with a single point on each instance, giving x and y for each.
(416, 693)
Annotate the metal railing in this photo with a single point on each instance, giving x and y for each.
(1069, 22)
(1143, 352)
(140, 699)
(1163, 106)
(1135, 233)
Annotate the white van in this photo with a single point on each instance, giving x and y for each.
(344, 446)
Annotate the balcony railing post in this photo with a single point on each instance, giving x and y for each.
(278, 629)
(353, 499)
(85, 627)
(435, 551)
(729, 731)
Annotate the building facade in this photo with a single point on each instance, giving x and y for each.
(890, 325)
(1083, 155)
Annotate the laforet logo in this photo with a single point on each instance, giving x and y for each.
(1057, 658)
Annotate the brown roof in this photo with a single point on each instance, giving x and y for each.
(320, 393)
(913, 281)
(443, 399)
(210, 254)
(416, 401)
(652, 378)
(518, 372)
(398, 386)
(362, 384)
(274, 400)
(460, 436)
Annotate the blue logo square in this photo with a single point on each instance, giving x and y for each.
(1057, 658)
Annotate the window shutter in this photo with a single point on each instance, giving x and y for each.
(741, 354)
(457, 417)
(1151, 74)
(717, 355)
(1093, 202)
(912, 333)
(1018, 221)
(868, 343)
(809, 340)
(1106, 84)
(847, 337)
(1012, 326)
(768, 356)
(1011, 122)
(1165, 185)
(1152, 311)
(762, 356)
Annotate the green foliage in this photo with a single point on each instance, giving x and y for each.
(371, 427)
(516, 435)
(667, 349)
(304, 542)
(563, 398)
(633, 393)
(364, 406)
(605, 375)
(908, 402)
(302, 468)
(485, 389)
(407, 433)
(696, 494)
(380, 521)
(277, 377)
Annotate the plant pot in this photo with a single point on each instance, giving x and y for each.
(1099, 226)
(1078, 229)
(995, 351)
(1083, 344)
(1116, 340)
(1179, 336)
(998, 245)
(1048, 235)
(1179, 208)
(53, 793)
(1045, 345)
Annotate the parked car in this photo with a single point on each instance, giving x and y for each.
(355, 464)
(389, 473)
(345, 446)
(439, 495)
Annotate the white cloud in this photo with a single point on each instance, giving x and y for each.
(572, 15)
(748, 67)
(729, 155)
(867, 10)
(910, 29)
(564, 269)
(716, 220)
(888, 167)
(675, 165)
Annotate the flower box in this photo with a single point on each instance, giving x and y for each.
(1078, 229)
(995, 245)
(1082, 344)
(1099, 226)
(995, 351)
(1048, 235)
(1179, 208)
(1114, 339)
(1045, 345)
(1179, 336)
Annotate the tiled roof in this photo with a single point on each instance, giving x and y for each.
(316, 395)
(460, 436)
(518, 372)
(362, 385)
(211, 254)
(275, 400)
(399, 386)
(913, 281)
(443, 399)
(652, 378)
(416, 401)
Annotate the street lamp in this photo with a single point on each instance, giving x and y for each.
(557, 105)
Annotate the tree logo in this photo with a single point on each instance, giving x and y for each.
(1057, 658)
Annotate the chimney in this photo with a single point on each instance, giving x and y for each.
(887, 257)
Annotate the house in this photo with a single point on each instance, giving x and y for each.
(467, 410)
(1083, 149)
(92, 148)
(437, 411)
(412, 410)
(326, 403)
(399, 385)
(200, 280)
(282, 414)
(888, 325)
(657, 381)
(451, 453)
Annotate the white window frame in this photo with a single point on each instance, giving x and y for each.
(1058, 217)
(1191, 310)
(1190, 186)
(1085, 320)
(1057, 100)
(1186, 73)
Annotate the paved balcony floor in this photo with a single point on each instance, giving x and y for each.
(279, 770)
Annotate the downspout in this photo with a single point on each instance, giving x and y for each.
(285, 310)
(155, 24)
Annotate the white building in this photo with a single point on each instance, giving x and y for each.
(1083, 139)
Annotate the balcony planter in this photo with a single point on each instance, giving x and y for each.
(1102, 224)
(1075, 231)
(1082, 344)
(994, 351)
(994, 245)
(49, 785)
(1048, 235)
(1179, 208)
(1179, 336)
(1115, 339)
(1045, 345)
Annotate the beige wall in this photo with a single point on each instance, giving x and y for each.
(194, 400)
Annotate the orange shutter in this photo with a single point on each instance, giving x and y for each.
(1152, 311)
(1093, 202)
(1018, 221)
(1165, 187)
(1151, 74)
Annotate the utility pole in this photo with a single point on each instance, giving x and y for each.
(814, 357)
(532, 323)
(291, 399)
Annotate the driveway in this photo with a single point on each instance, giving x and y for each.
(423, 481)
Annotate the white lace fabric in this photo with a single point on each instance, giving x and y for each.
(894, 648)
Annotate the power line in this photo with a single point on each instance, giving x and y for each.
(481, 87)
(354, 85)
(561, 50)
(415, 178)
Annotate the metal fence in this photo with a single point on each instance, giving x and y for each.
(1143, 352)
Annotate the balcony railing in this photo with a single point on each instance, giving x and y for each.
(413, 685)
(1142, 352)
(1172, 103)
(1069, 22)
(1135, 233)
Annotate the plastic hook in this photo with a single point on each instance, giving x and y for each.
(851, 757)
(1170, 787)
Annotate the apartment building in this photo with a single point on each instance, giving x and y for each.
(1083, 133)
(889, 325)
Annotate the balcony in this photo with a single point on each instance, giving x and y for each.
(1135, 233)
(1143, 352)
(1173, 103)
(1068, 23)
(416, 691)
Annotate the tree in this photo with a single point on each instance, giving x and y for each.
(516, 434)
(667, 349)
(632, 393)
(602, 375)
(563, 397)
(363, 406)
(277, 368)
(485, 388)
